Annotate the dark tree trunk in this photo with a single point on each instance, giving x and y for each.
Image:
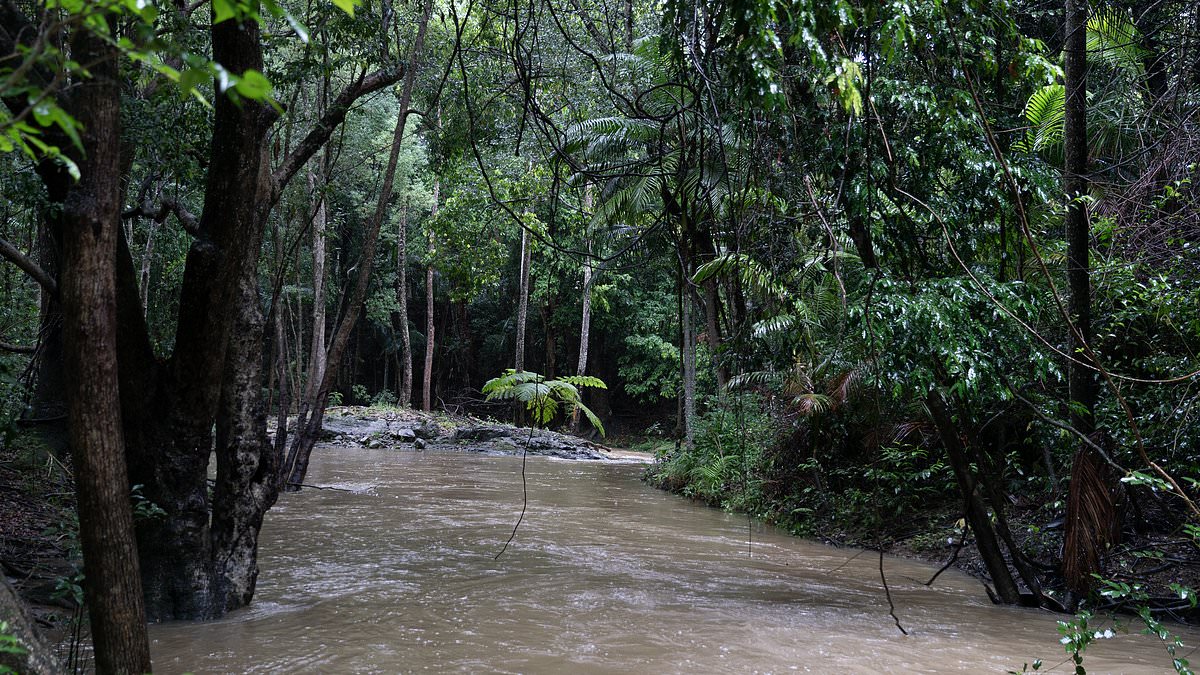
(977, 513)
(177, 551)
(1089, 497)
(90, 218)
(712, 311)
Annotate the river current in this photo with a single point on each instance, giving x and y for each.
(394, 572)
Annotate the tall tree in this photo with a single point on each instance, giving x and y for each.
(427, 372)
(523, 297)
(406, 364)
(90, 220)
(1088, 528)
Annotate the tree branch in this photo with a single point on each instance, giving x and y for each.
(169, 205)
(17, 349)
(29, 266)
(334, 115)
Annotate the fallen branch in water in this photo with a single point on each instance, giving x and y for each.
(962, 541)
(888, 592)
(320, 487)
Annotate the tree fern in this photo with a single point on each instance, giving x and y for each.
(543, 398)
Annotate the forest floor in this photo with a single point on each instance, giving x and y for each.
(38, 541)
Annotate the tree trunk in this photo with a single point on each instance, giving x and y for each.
(688, 352)
(523, 298)
(147, 258)
(977, 513)
(309, 425)
(550, 368)
(1089, 498)
(176, 434)
(90, 218)
(427, 376)
(585, 330)
(585, 322)
(316, 358)
(285, 394)
(712, 301)
(406, 364)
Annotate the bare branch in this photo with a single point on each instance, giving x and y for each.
(17, 349)
(169, 205)
(29, 266)
(334, 115)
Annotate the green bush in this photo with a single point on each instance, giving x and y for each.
(731, 459)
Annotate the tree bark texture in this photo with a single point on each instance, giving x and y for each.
(177, 551)
(585, 321)
(90, 218)
(316, 360)
(585, 330)
(688, 351)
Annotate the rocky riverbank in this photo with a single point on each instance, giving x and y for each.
(412, 430)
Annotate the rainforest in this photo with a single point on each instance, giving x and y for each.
(623, 335)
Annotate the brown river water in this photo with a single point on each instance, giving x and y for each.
(395, 573)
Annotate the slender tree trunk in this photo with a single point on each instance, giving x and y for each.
(308, 430)
(629, 25)
(688, 351)
(523, 298)
(316, 359)
(585, 322)
(427, 376)
(1089, 499)
(406, 363)
(585, 330)
(551, 357)
(90, 218)
(285, 395)
(977, 513)
(147, 258)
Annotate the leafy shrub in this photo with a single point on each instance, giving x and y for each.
(730, 462)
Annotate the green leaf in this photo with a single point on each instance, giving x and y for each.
(347, 6)
(223, 10)
(253, 85)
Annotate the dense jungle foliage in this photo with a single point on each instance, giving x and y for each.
(864, 269)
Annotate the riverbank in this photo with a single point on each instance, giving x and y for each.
(405, 429)
(917, 513)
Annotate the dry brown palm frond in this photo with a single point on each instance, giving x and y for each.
(1091, 519)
